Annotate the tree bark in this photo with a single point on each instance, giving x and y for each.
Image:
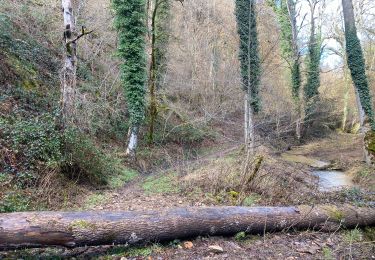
(70, 229)
(68, 84)
(152, 76)
(296, 64)
(133, 141)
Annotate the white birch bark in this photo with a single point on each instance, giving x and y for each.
(133, 141)
(68, 83)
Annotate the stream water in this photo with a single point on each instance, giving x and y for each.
(328, 180)
(333, 180)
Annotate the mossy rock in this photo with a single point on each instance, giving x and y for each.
(370, 143)
(355, 129)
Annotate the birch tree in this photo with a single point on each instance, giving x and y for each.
(68, 84)
(69, 71)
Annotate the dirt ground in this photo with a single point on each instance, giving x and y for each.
(161, 191)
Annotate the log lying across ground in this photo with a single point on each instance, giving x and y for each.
(70, 229)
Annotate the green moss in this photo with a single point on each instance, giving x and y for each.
(334, 213)
(82, 224)
(369, 233)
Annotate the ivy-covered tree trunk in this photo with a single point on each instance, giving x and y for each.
(287, 17)
(313, 65)
(250, 65)
(130, 22)
(356, 64)
(159, 39)
(68, 80)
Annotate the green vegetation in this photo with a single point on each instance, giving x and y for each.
(14, 202)
(354, 236)
(251, 200)
(161, 184)
(140, 251)
(119, 180)
(328, 254)
(240, 236)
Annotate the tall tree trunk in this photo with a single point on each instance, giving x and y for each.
(356, 65)
(68, 84)
(70, 229)
(152, 75)
(295, 70)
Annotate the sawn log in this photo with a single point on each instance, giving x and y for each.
(71, 229)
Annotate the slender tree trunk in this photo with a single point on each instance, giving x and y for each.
(246, 113)
(152, 77)
(249, 124)
(71, 229)
(250, 144)
(296, 74)
(68, 84)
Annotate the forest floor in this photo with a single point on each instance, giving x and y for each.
(164, 189)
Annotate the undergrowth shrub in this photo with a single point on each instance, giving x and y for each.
(14, 201)
(84, 160)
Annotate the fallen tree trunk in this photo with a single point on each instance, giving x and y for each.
(70, 229)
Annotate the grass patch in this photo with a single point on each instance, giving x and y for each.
(95, 200)
(119, 180)
(327, 253)
(162, 184)
(141, 251)
(354, 236)
(251, 200)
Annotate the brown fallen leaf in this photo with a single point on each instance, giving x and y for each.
(188, 245)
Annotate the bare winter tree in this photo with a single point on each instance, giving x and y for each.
(68, 83)
(69, 71)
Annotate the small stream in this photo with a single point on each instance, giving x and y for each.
(333, 180)
(328, 180)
